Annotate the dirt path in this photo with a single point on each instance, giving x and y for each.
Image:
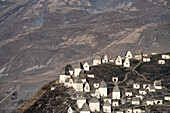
(133, 69)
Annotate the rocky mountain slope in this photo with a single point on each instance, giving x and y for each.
(60, 99)
(38, 37)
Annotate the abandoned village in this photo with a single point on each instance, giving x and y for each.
(98, 96)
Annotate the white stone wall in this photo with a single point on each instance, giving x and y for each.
(129, 55)
(62, 78)
(136, 102)
(115, 103)
(96, 62)
(86, 88)
(161, 61)
(107, 109)
(115, 79)
(94, 107)
(146, 59)
(118, 61)
(136, 86)
(96, 85)
(167, 98)
(80, 103)
(86, 66)
(126, 63)
(165, 57)
(142, 92)
(115, 95)
(103, 92)
(77, 72)
(71, 72)
(78, 86)
(128, 93)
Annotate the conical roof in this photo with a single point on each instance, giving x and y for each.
(97, 57)
(79, 65)
(85, 107)
(77, 80)
(116, 89)
(82, 74)
(81, 97)
(107, 103)
(69, 67)
(104, 56)
(103, 84)
(94, 100)
(65, 71)
(86, 64)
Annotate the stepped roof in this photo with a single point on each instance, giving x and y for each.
(77, 80)
(85, 107)
(69, 67)
(79, 65)
(97, 57)
(107, 103)
(82, 74)
(65, 71)
(103, 84)
(94, 100)
(116, 89)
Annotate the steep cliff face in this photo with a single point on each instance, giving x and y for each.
(38, 37)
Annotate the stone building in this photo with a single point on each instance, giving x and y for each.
(103, 89)
(118, 60)
(167, 97)
(126, 62)
(115, 103)
(136, 101)
(146, 59)
(128, 55)
(96, 85)
(161, 61)
(64, 75)
(95, 93)
(139, 55)
(107, 107)
(82, 75)
(142, 92)
(158, 84)
(149, 102)
(70, 69)
(71, 110)
(94, 105)
(152, 89)
(86, 66)
(165, 56)
(80, 101)
(116, 93)
(78, 68)
(105, 59)
(78, 84)
(115, 78)
(136, 85)
(128, 93)
(86, 87)
(97, 60)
